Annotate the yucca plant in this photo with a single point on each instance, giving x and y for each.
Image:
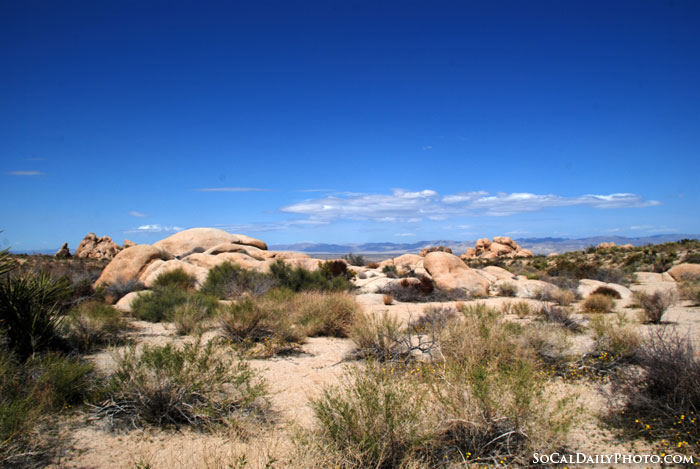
(30, 312)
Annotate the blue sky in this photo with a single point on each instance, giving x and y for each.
(348, 121)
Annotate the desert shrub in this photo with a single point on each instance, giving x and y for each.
(654, 305)
(328, 314)
(30, 312)
(373, 265)
(189, 316)
(160, 304)
(176, 278)
(193, 386)
(390, 271)
(373, 420)
(616, 344)
(324, 279)
(422, 291)
(32, 390)
(433, 320)
(117, 290)
(596, 303)
(559, 315)
(94, 324)
(261, 327)
(228, 280)
(690, 290)
(7, 263)
(607, 291)
(355, 259)
(379, 337)
(484, 402)
(563, 296)
(692, 258)
(661, 398)
(522, 309)
(507, 289)
(388, 299)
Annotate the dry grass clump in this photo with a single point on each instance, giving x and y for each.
(616, 344)
(654, 305)
(168, 387)
(522, 309)
(190, 317)
(507, 289)
(388, 299)
(94, 324)
(690, 290)
(281, 320)
(483, 401)
(660, 399)
(559, 315)
(380, 337)
(325, 314)
(597, 303)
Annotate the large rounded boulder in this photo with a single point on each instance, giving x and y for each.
(129, 264)
(449, 272)
(203, 239)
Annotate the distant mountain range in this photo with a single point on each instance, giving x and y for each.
(536, 245)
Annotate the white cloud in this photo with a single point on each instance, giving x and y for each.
(25, 173)
(155, 228)
(134, 213)
(428, 147)
(231, 189)
(406, 206)
(405, 234)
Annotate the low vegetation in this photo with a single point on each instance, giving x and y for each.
(598, 303)
(165, 386)
(661, 398)
(94, 324)
(482, 400)
(161, 303)
(654, 305)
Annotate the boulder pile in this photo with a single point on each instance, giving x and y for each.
(94, 247)
(501, 246)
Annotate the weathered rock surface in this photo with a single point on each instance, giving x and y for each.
(129, 264)
(125, 303)
(685, 272)
(525, 288)
(502, 246)
(653, 277)
(449, 272)
(94, 247)
(63, 253)
(202, 239)
(159, 267)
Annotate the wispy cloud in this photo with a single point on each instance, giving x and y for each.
(405, 234)
(428, 147)
(407, 206)
(25, 173)
(270, 226)
(134, 213)
(315, 190)
(231, 189)
(155, 228)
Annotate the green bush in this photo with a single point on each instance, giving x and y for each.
(355, 259)
(176, 278)
(93, 324)
(329, 277)
(374, 419)
(30, 312)
(228, 280)
(196, 386)
(160, 304)
(189, 316)
(607, 291)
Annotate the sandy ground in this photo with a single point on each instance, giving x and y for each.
(292, 380)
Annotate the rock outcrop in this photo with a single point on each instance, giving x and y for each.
(94, 247)
(63, 253)
(502, 246)
(426, 251)
(202, 239)
(129, 264)
(449, 272)
(685, 272)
